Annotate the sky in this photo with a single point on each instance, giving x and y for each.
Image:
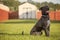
(54, 1)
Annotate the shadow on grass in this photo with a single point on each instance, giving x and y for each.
(19, 22)
(25, 21)
(12, 34)
(54, 21)
(55, 36)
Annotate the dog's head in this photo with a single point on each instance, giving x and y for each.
(44, 8)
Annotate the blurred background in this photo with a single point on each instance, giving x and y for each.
(19, 9)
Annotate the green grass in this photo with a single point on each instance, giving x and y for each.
(13, 30)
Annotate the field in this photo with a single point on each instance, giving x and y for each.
(12, 30)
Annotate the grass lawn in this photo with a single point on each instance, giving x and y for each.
(13, 30)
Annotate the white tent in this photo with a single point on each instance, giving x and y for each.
(27, 11)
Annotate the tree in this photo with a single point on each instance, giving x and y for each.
(13, 4)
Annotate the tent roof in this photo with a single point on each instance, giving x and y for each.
(28, 5)
(4, 7)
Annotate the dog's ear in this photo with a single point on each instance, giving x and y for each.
(41, 8)
(45, 8)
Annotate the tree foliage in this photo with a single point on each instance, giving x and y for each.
(50, 4)
(13, 4)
